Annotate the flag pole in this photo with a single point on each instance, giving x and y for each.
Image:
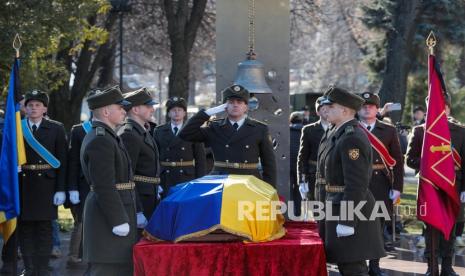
(14, 238)
(433, 262)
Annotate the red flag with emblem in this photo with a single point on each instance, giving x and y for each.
(438, 202)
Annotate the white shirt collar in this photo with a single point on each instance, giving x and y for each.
(372, 126)
(178, 126)
(325, 125)
(239, 123)
(36, 124)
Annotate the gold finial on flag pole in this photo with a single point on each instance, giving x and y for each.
(17, 44)
(431, 42)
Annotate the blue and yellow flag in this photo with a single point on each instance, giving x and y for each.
(12, 156)
(241, 205)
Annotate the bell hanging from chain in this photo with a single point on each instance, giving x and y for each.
(251, 75)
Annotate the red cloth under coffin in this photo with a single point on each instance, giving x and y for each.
(300, 252)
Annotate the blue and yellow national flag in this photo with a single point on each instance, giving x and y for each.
(12, 156)
(237, 204)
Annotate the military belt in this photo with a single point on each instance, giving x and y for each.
(178, 164)
(334, 189)
(320, 181)
(311, 162)
(36, 167)
(147, 179)
(244, 166)
(120, 186)
(378, 167)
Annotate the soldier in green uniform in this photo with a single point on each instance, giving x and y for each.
(444, 248)
(349, 241)
(239, 144)
(143, 152)
(387, 180)
(110, 209)
(180, 160)
(42, 183)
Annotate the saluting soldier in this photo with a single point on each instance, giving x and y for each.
(445, 248)
(42, 182)
(142, 150)
(238, 142)
(77, 182)
(180, 160)
(349, 241)
(110, 207)
(308, 152)
(387, 179)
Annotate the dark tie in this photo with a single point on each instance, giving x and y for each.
(369, 128)
(236, 126)
(175, 129)
(34, 129)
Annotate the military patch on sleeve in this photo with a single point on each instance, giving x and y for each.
(354, 154)
(100, 131)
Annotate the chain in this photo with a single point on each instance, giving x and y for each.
(251, 11)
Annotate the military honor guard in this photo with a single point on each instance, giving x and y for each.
(109, 224)
(77, 182)
(308, 151)
(239, 143)
(444, 248)
(180, 160)
(42, 183)
(347, 165)
(387, 179)
(142, 150)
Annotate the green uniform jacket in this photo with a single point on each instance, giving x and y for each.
(105, 162)
(347, 162)
(251, 143)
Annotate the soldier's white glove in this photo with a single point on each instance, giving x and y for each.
(74, 197)
(344, 231)
(303, 189)
(394, 195)
(462, 197)
(141, 220)
(121, 230)
(59, 198)
(159, 192)
(216, 109)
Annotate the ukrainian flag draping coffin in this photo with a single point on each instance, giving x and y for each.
(214, 202)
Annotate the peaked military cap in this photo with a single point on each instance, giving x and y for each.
(36, 95)
(139, 97)
(235, 91)
(176, 102)
(106, 97)
(320, 102)
(371, 98)
(344, 98)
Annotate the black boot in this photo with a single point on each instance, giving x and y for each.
(28, 266)
(374, 269)
(43, 268)
(429, 272)
(446, 268)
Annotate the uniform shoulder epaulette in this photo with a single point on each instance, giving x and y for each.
(100, 131)
(349, 129)
(258, 122)
(55, 122)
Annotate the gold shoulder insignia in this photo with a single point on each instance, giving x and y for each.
(354, 154)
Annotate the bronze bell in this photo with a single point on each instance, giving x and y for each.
(251, 75)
